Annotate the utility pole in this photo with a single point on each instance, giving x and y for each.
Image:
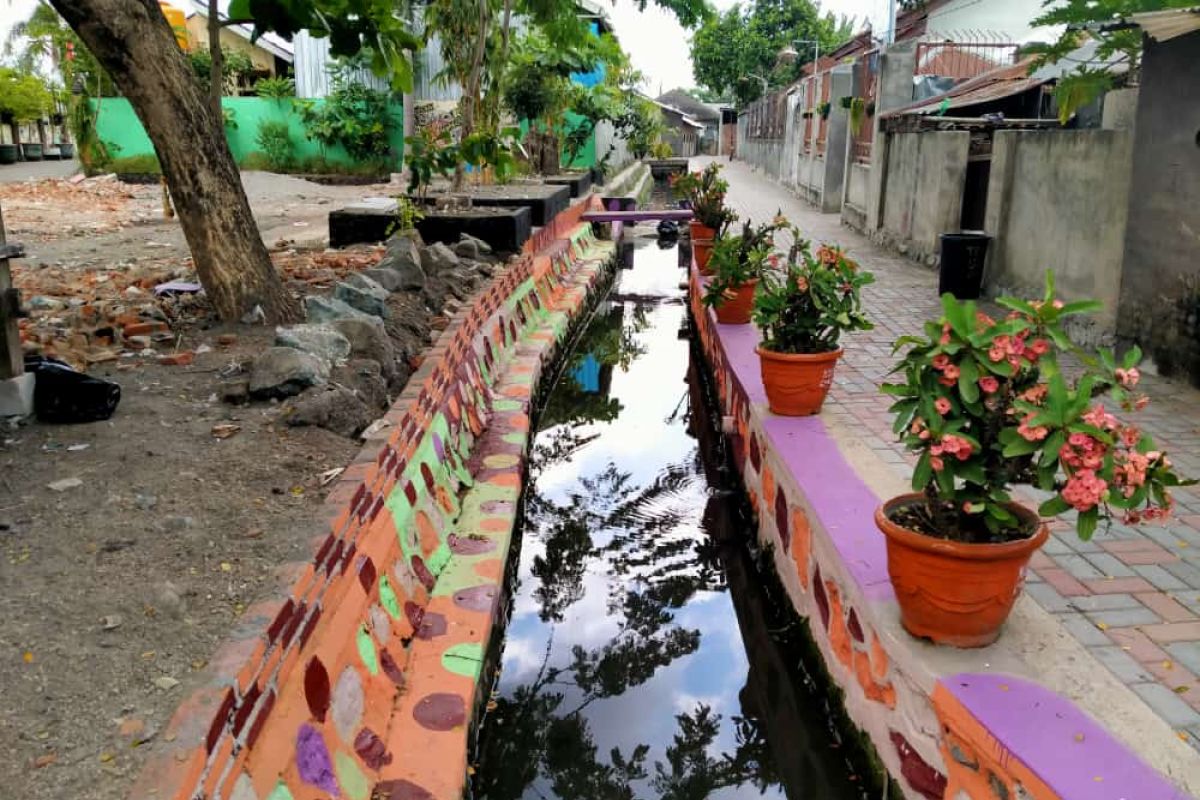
(891, 29)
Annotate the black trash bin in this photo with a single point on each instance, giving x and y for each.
(960, 271)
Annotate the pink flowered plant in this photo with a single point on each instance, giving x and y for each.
(985, 405)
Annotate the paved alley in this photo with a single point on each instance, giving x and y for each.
(1131, 596)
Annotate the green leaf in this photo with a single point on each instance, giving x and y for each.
(968, 378)
(1081, 307)
(1054, 506)
(956, 314)
(1088, 520)
(1016, 304)
(1020, 447)
(922, 473)
(1051, 446)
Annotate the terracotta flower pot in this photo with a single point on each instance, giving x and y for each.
(702, 252)
(735, 307)
(700, 231)
(796, 383)
(951, 592)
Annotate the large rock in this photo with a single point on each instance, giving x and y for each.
(369, 340)
(438, 258)
(368, 299)
(329, 309)
(286, 371)
(404, 258)
(480, 245)
(467, 248)
(387, 278)
(364, 377)
(322, 340)
(334, 408)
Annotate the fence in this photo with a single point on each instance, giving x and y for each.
(867, 78)
(962, 60)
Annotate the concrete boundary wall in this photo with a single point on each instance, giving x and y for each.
(1059, 200)
(361, 676)
(995, 723)
(921, 193)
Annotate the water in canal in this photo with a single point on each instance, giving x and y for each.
(645, 656)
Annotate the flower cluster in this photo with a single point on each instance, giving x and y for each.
(705, 192)
(985, 405)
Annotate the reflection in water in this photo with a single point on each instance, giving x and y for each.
(624, 671)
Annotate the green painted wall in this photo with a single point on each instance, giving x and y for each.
(587, 156)
(118, 124)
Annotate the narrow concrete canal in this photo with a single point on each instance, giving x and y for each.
(644, 656)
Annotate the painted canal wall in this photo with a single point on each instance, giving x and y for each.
(361, 679)
(988, 724)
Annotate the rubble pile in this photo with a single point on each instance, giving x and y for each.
(48, 209)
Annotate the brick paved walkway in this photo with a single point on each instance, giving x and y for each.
(1132, 594)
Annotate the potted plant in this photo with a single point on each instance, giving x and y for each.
(985, 405)
(802, 313)
(737, 265)
(846, 101)
(705, 191)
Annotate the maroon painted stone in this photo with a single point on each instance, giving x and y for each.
(366, 574)
(469, 545)
(432, 625)
(399, 789)
(218, 723)
(391, 668)
(440, 711)
(427, 475)
(410, 492)
(476, 598)
(926, 780)
(422, 572)
(755, 453)
(819, 596)
(855, 627)
(316, 689)
(414, 613)
(781, 519)
(371, 749)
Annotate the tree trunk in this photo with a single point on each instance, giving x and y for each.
(470, 92)
(216, 73)
(134, 43)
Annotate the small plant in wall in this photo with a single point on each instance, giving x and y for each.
(846, 101)
(823, 110)
(803, 310)
(984, 404)
(408, 214)
(737, 264)
(858, 112)
(704, 192)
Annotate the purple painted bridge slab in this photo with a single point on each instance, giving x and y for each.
(639, 215)
(1071, 753)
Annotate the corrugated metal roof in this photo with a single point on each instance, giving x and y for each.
(994, 85)
(1164, 25)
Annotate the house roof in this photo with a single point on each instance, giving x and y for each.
(677, 98)
(274, 44)
(1164, 25)
(994, 85)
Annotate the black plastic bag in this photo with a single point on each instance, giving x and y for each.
(62, 395)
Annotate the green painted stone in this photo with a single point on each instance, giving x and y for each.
(387, 596)
(366, 651)
(353, 782)
(464, 659)
(280, 792)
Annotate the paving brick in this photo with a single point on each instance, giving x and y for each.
(1120, 664)
(1165, 607)
(1187, 654)
(1161, 556)
(1104, 602)
(1174, 632)
(1110, 565)
(1079, 567)
(1159, 577)
(1063, 583)
(1188, 573)
(1167, 704)
(1055, 546)
(1047, 597)
(1125, 617)
(1137, 644)
(1083, 629)
(1118, 585)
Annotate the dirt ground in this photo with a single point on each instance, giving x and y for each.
(117, 590)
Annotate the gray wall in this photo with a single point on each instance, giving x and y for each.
(1057, 200)
(922, 190)
(1160, 289)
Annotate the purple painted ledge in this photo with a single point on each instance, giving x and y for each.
(1030, 722)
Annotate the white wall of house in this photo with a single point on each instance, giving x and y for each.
(1005, 20)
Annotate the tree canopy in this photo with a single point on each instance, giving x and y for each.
(23, 97)
(746, 40)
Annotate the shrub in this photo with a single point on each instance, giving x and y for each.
(275, 141)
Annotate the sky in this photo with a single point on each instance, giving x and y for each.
(658, 45)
